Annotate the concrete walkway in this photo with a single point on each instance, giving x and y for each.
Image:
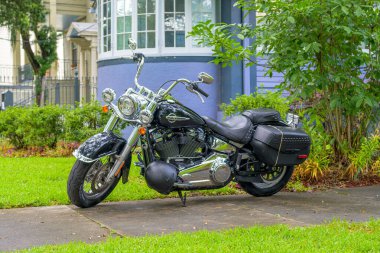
(27, 227)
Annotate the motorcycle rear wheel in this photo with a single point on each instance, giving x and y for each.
(86, 185)
(272, 183)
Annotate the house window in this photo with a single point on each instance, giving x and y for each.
(174, 23)
(159, 27)
(180, 16)
(201, 10)
(136, 19)
(146, 20)
(124, 23)
(106, 26)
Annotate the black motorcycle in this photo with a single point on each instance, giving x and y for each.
(181, 151)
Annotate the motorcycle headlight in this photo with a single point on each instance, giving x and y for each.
(108, 95)
(127, 105)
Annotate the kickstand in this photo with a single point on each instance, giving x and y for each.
(182, 197)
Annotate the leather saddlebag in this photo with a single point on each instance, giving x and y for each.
(280, 145)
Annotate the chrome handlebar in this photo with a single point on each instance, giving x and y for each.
(190, 86)
(140, 60)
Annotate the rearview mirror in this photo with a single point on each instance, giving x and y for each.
(205, 78)
(132, 44)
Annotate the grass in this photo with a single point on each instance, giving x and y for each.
(41, 181)
(338, 236)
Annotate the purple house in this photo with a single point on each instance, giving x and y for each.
(160, 28)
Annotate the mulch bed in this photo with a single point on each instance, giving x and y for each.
(336, 180)
(345, 183)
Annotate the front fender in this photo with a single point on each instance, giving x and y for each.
(99, 145)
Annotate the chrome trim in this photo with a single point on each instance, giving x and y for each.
(199, 181)
(85, 159)
(82, 158)
(148, 114)
(220, 145)
(111, 123)
(165, 92)
(205, 165)
(108, 91)
(173, 118)
(139, 68)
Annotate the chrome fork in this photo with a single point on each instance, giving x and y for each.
(120, 159)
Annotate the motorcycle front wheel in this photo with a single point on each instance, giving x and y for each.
(272, 182)
(87, 185)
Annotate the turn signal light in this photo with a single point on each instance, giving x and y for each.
(105, 108)
(302, 156)
(142, 130)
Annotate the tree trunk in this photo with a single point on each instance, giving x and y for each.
(43, 87)
(29, 53)
(35, 65)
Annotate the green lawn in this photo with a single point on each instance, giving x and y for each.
(42, 181)
(333, 237)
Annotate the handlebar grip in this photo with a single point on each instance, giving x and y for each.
(138, 56)
(196, 88)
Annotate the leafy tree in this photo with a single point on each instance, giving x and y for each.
(25, 17)
(328, 51)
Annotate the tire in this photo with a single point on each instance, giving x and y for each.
(76, 181)
(266, 189)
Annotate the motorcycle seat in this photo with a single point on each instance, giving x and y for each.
(262, 115)
(238, 128)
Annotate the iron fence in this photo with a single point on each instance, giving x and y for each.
(56, 92)
(16, 94)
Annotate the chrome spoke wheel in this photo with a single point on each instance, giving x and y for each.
(95, 182)
(271, 178)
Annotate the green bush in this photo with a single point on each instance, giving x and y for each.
(363, 160)
(83, 122)
(45, 126)
(268, 99)
(321, 149)
(13, 126)
(34, 126)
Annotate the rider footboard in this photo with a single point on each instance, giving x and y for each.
(280, 146)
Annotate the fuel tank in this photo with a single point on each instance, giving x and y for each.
(174, 115)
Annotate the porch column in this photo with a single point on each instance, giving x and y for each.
(82, 72)
(53, 23)
(94, 67)
(16, 60)
(67, 56)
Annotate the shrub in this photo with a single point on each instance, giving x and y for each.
(13, 126)
(321, 151)
(297, 186)
(365, 160)
(33, 126)
(258, 99)
(85, 121)
(45, 126)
